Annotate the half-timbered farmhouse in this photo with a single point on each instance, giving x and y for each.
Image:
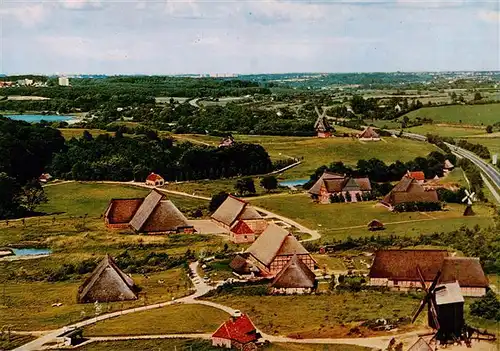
(369, 134)
(233, 210)
(238, 333)
(408, 190)
(335, 184)
(295, 278)
(153, 214)
(272, 250)
(397, 269)
(107, 283)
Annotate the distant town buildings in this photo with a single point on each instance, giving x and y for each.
(64, 81)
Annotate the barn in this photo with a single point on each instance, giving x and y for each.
(107, 283)
(369, 134)
(335, 184)
(233, 210)
(120, 212)
(408, 190)
(295, 278)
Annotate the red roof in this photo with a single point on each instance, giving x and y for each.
(154, 177)
(240, 329)
(418, 175)
(241, 228)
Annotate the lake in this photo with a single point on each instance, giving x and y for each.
(30, 252)
(38, 118)
(294, 183)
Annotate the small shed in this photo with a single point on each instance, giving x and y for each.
(375, 224)
(71, 337)
(241, 233)
(155, 179)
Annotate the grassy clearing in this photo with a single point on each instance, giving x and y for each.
(28, 305)
(460, 114)
(456, 176)
(177, 319)
(15, 341)
(493, 144)
(317, 152)
(331, 263)
(329, 315)
(69, 133)
(205, 345)
(446, 130)
(336, 221)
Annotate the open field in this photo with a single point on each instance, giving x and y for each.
(205, 345)
(69, 133)
(28, 305)
(338, 221)
(446, 130)
(317, 152)
(493, 144)
(331, 315)
(460, 114)
(177, 319)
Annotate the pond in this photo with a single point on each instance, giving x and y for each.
(294, 183)
(31, 252)
(38, 118)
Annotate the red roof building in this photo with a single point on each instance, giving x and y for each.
(419, 176)
(241, 233)
(155, 179)
(238, 333)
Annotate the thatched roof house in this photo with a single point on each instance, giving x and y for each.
(330, 183)
(295, 278)
(152, 214)
(398, 269)
(274, 248)
(375, 224)
(369, 134)
(107, 283)
(233, 210)
(408, 190)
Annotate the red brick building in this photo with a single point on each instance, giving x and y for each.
(241, 233)
(237, 333)
(155, 180)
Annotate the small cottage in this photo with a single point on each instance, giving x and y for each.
(369, 134)
(375, 224)
(295, 278)
(397, 269)
(241, 233)
(448, 166)
(155, 180)
(408, 190)
(233, 210)
(330, 184)
(272, 250)
(107, 283)
(238, 333)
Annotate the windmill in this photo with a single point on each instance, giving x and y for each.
(469, 198)
(322, 126)
(445, 304)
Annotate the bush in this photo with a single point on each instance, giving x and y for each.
(418, 206)
(487, 307)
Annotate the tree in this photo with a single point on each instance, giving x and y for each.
(217, 200)
(487, 306)
(489, 129)
(348, 196)
(9, 196)
(32, 195)
(269, 183)
(245, 185)
(477, 96)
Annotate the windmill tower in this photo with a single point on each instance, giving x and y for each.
(469, 199)
(322, 126)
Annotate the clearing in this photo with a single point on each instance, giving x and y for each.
(478, 115)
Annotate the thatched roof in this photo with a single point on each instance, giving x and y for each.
(375, 223)
(275, 241)
(232, 209)
(295, 274)
(409, 190)
(107, 283)
(145, 210)
(122, 210)
(448, 164)
(466, 270)
(368, 133)
(335, 183)
(402, 264)
(239, 264)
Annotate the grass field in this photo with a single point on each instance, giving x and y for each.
(69, 133)
(478, 115)
(28, 305)
(493, 144)
(317, 152)
(205, 345)
(330, 315)
(177, 319)
(338, 221)
(446, 130)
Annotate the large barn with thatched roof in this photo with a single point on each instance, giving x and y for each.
(233, 210)
(397, 269)
(153, 214)
(369, 134)
(107, 283)
(330, 184)
(272, 250)
(408, 190)
(295, 278)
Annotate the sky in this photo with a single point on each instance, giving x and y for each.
(247, 36)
